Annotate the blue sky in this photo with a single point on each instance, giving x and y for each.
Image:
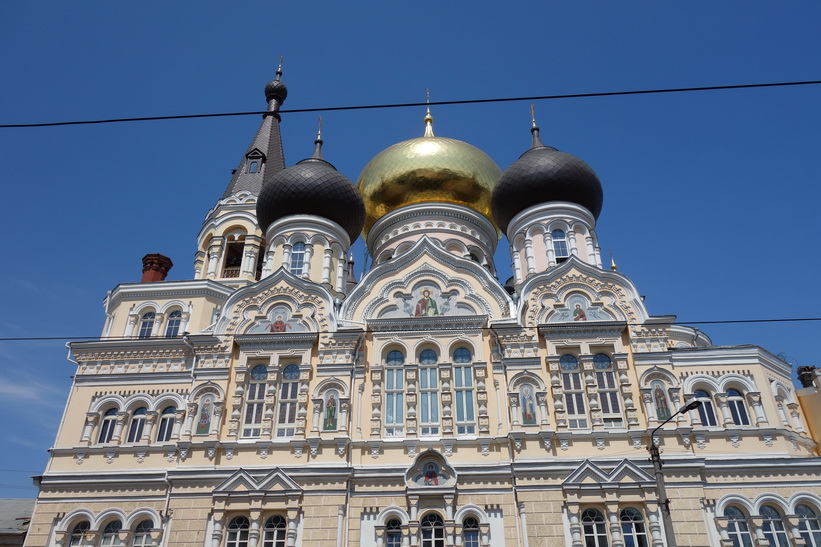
(710, 203)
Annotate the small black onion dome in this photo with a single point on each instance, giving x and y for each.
(275, 89)
(312, 187)
(544, 174)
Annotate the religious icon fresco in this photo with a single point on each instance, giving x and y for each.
(426, 305)
(204, 414)
(431, 474)
(330, 405)
(528, 405)
(578, 308)
(279, 319)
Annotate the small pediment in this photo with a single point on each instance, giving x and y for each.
(278, 481)
(240, 481)
(275, 483)
(587, 472)
(625, 473)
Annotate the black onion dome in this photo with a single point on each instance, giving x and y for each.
(312, 187)
(544, 174)
(275, 89)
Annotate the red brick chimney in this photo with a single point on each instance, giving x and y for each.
(155, 267)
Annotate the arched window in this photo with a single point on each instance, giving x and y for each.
(772, 525)
(428, 393)
(608, 391)
(573, 392)
(255, 401)
(527, 404)
(142, 534)
(253, 167)
(658, 390)
(594, 529)
(394, 394)
(111, 534)
(166, 424)
(470, 532)
(288, 388)
(297, 258)
(808, 525)
(738, 410)
(559, 245)
(737, 528)
(147, 324)
(237, 535)
(393, 533)
(706, 412)
(274, 532)
(107, 425)
(634, 533)
(433, 531)
(172, 329)
(463, 388)
(78, 534)
(135, 431)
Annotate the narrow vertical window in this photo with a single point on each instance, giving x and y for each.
(608, 391)
(172, 329)
(433, 531)
(737, 528)
(773, 526)
(808, 526)
(559, 245)
(297, 258)
(593, 526)
(254, 402)
(142, 534)
(237, 535)
(253, 167)
(394, 394)
(573, 392)
(166, 424)
(79, 533)
(147, 324)
(135, 431)
(738, 410)
(393, 533)
(111, 534)
(274, 532)
(107, 425)
(706, 412)
(289, 386)
(633, 530)
(470, 532)
(428, 393)
(463, 386)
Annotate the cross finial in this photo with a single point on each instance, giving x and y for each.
(279, 68)
(428, 117)
(612, 262)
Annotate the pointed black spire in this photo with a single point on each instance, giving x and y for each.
(537, 141)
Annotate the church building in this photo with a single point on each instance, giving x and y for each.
(274, 400)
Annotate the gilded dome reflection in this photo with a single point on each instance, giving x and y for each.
(427, 169)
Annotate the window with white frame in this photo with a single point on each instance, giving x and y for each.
(394, 394)
(772, 524)
(237, 535)
(633, 529)
(470, 532)
(738, 409)
(463, 388)
(111, 534)
(146, 324)
(107, 425)
(255, 401)
(172, 328)
(79, 534)
(808, 525)
(594, 528)
(297, 258)
(559, 245)
(142, 534)
(433, 531)
(393, 533)
(135, 430)
(737, 528)
(166, 425)
(274, 535)
(706, 412)
(428, 393)
(288, 398)
(609, 397)
(573, 390)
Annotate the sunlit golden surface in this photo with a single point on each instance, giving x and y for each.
(427, 169)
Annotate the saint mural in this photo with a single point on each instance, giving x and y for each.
(204, 415)
(662, 409)
(279, 325)
(431, 476)
(278, 320)
(329, 423)
(578, 314)
(426, 306)
(528, 405)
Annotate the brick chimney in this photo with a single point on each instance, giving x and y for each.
(155, 267)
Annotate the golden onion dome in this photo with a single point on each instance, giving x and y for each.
(427, 169)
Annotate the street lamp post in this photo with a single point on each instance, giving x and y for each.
(655, 458)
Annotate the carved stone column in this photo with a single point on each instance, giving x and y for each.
(326, 264)
(118, 426)
(189, 419)
(317, 410)
(306, 264)
(513, 404)
(179, 416)
(541, 397)
(150, 420)
(91, 421)
(754, 398)
(548, 245)
(529, 258)
(723, 405)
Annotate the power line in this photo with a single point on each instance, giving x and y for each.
(407, 105)
(551, 325)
